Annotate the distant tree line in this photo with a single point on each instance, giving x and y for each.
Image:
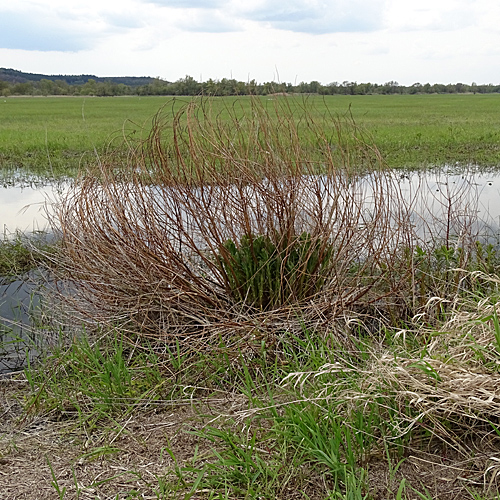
(228, 87)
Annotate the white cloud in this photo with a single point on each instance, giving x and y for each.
(318, 16)
(41, 30)
(189, 4)
(447, 15)
(325, 40)
(208, 21)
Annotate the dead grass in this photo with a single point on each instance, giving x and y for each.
(440, 389)
(145, 243)
(129, 457)
(118, 458)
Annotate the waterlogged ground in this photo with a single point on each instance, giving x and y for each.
(470, 199)
(19, 339)
(434, 198)
(26, 207)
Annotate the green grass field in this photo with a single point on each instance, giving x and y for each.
(53, 135)
(45, 135)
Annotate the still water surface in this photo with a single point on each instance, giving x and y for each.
(26, 208)
(23, 209)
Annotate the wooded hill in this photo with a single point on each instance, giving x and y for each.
(15, 76)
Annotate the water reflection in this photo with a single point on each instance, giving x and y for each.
(19, 305)
(447, 205)
(25, 208)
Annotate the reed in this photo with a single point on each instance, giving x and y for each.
(243, 226)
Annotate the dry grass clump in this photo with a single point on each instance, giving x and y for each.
(448, 398)
(237, 226)
(463, 358)
(445, 381)
(437, 392)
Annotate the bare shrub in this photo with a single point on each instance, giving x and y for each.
(155, 244)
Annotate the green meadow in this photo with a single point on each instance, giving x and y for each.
(55, 135)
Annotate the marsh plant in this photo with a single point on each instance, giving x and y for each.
(227, 224)
(20, 253)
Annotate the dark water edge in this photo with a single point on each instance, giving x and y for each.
(20, 339)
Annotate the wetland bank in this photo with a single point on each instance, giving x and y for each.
(266, 321)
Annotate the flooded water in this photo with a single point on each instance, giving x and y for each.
(23, 209)
(444, 204)
(19, 302)
(437, 201)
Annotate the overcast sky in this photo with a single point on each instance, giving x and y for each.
(435, 41)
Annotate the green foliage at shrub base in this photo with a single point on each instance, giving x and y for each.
(267, 272)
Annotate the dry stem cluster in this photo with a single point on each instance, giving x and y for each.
(144, 241)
